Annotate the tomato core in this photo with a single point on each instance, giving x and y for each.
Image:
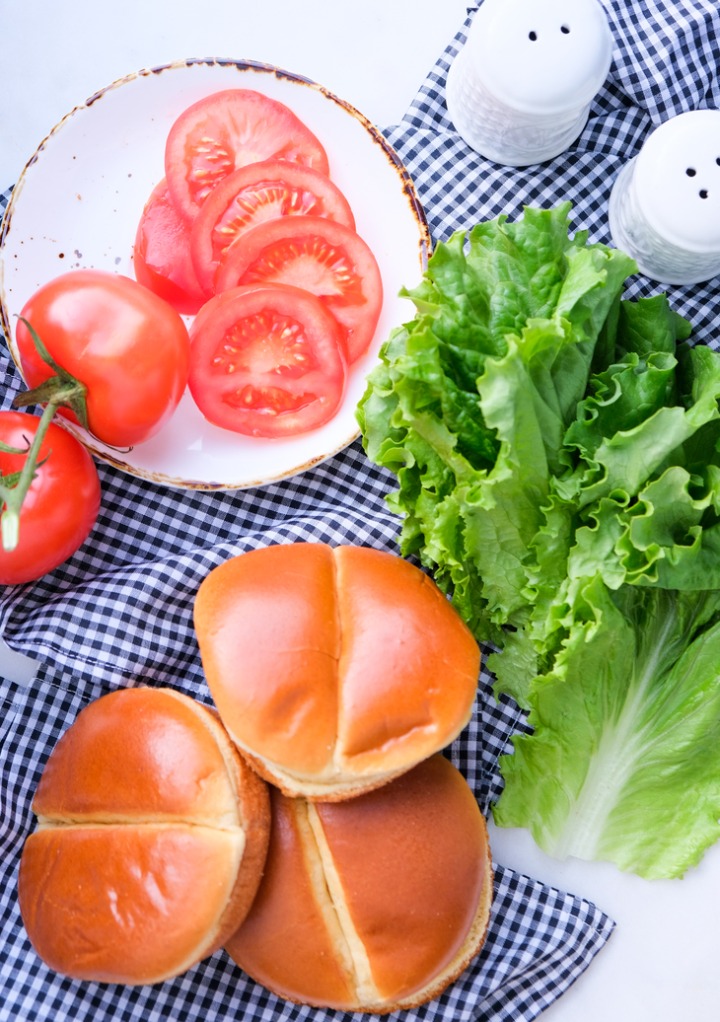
(311, 262)
(267, 361)
(265, 343)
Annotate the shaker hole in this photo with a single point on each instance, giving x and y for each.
(703, 193)
(691, 172)
(565, 29)
(718, 161)
(532, 36)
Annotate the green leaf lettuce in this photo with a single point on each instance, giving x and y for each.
(556, 449)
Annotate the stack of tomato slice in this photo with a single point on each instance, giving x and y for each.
(248, 233)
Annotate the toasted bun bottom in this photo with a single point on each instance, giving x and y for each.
(374, 904)
(151, 841)
(334, 669)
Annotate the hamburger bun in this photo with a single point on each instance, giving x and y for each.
(334, 669)
(374, 904)
(150, 844)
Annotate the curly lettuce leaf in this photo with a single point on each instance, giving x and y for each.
(557, 451)
(639, 413)
(471, 399)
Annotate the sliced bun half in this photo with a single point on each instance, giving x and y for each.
(151, 839)
(374, 904)
(334, 669)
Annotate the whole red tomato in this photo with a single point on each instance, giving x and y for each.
(61, 505)
(127, 346)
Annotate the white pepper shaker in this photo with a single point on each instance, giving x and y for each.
(520, 89)
(664, 208)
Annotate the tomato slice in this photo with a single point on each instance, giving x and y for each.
(256, 193)
(227, 130)
(161, 256)
(266, 361)
(325, 258)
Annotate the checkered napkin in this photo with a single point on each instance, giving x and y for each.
(119, 611)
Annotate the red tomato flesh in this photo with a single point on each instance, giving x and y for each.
(61, 505)
(161, 255)
(227, 130)
(129, 347)
(325, 258)
(250, 196)
(266, 362)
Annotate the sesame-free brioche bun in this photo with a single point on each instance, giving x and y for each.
(375, 904)
(151, 839)
(334, 669)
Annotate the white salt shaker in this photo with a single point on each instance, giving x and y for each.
(520, 89)
(664, 208)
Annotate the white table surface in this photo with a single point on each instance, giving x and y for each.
(661, 962)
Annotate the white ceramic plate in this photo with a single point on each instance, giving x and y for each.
(78, 201)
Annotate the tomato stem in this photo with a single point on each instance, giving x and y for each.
(10, 529)
(60, 389)
(13, 496)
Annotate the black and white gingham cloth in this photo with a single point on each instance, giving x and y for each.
(120, 611)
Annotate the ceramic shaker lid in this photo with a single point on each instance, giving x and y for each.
(542, 56)
(519, 90)
(677, 180)
(664, 208)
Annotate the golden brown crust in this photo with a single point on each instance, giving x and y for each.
(402, 906)
(302, 787)
(147, 767)
(123, 904)
(410, 665)
(334, 669)
(289, 918)
(267, 627)
(469, 950)
(253, 800)
(151, 840)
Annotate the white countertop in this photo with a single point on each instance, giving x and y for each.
(54, 55)
(661, 962)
